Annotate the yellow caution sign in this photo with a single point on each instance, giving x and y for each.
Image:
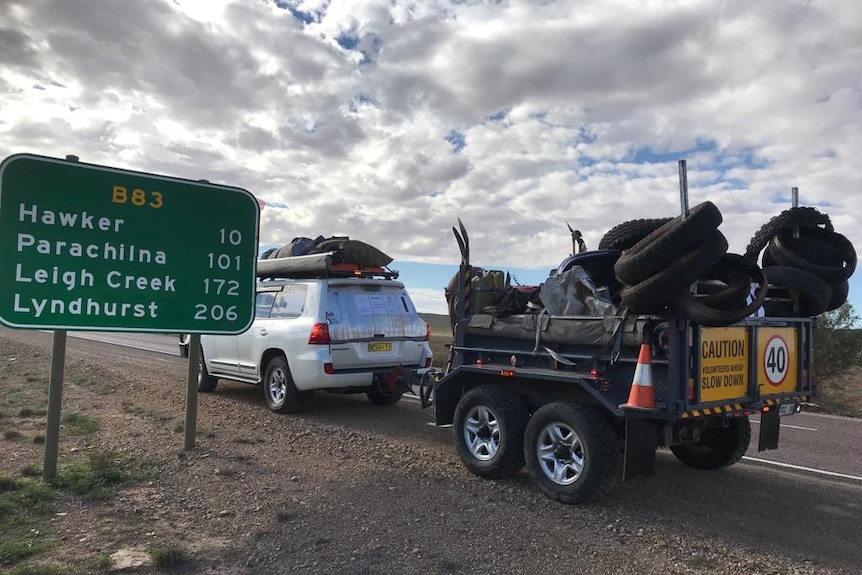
(777, 359)
(723, 363)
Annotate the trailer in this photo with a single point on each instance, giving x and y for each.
(585, 400)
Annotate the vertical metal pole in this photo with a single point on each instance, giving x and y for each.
(683, 189)
(794, 195)
(55, 396)
(192, 391)
(55, 402)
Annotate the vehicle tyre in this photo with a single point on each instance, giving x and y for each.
(815, 294)
(384, 398)
(698, 311)
(656, 251)
(733, 276)
(627, 234)
(788, 219)
(717, 447)
(489, 431)
(571, 452)
(653, 294)
(279, 391)
(840, 291)
(206, 382)
(826, 254)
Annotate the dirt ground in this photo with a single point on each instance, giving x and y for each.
(343, 490)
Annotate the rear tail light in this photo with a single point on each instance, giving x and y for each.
(427, 332)
(691, 389)
(428, 362)
(319, 334)
(328, 369)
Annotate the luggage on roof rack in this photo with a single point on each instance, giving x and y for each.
(318, 265)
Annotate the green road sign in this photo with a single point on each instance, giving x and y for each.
(97, 248)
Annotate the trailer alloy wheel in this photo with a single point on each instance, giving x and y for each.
(279, 391)
(489, 431)
(571, 452)
(717, 447)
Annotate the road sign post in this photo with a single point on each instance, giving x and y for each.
(87, 247)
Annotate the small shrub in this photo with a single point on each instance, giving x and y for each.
(180, 427)
(78, 423)
(168, 555)
(15, 551)
(11, 434)
(95, 476)
(31, 470)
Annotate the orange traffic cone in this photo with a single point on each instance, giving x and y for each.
(641, 396)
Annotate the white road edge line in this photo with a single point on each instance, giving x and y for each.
(789, 426)
(800, 468)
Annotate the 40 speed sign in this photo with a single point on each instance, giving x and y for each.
(777, 359)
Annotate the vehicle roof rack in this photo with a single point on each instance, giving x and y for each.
(318, 266)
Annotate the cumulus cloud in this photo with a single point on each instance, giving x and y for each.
(386, 121)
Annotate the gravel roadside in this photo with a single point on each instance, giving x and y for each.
(351, 488)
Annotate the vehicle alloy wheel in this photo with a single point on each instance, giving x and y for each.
(279, 391)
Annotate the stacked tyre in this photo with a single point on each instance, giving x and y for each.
(658, 271)
(807, 264)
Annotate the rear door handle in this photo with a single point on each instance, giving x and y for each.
(262, 331)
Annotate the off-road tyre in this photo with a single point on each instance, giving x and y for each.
(788, 219)
(718, 447)
(279, 391)
(815, 251)
(572, 452)
(698, 311)
(206, 382)
(840, 291)
(663, 246)
(653, 294)
(384, 398)
(734, 275)
(815, 294)
(627, 234)
(489, 431)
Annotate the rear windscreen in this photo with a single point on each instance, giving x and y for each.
(372, 311)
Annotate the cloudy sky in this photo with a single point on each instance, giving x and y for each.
(388, 120)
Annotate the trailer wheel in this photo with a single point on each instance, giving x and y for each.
(717, 447)
(489, 431)
(571, 453)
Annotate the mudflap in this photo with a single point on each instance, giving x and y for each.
(769, 427)
(640, 448)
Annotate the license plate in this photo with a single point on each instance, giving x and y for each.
(787, 409)
(380, 346)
